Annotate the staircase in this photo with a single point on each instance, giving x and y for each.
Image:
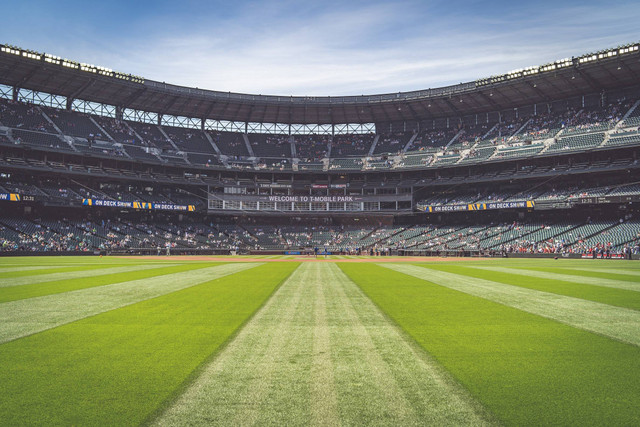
(373, 145)
(521, 128)
(173, 144)
(454, 139)
(410, 142)
(213, 144)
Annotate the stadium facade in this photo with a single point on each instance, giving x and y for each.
(542, 160)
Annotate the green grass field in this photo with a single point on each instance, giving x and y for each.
(183, 341)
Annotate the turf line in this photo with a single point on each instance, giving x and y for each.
(224, 390)
(601, 294)
(324, 400)
(597, 281)
(415, 387)
(4, 269)
(527, 369)
(91, 271)
(319, 352)
(26, 317)
(259, 387)
(117, 367)
(613, 322)
(375, 382)
(614, 270)
(14, 293)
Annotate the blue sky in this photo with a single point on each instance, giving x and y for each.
(318, 48)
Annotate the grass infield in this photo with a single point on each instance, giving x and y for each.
(292, 340)
(118, 367)
(526, 369)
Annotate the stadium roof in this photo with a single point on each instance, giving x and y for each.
(592, 73)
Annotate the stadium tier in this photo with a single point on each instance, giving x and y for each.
(490, 166)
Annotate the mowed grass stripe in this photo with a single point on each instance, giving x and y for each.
(629, 284)
(323, 395)
(25, 317)
(526, 369)
(615, 269)
(69, 273)
(309, 357)
(605, 295)
(271, 393)
(118, 367)
(6, 269)
(367, 391)
(380, 377)
(7, 278)
(14, 293)
(611, 273)
(265, 368)
(614, 322)
(56, 261)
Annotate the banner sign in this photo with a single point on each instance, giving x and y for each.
(478, 206)
(11, 197)
(603, 256)
(304, 199)
(321, 186)
(138, 205)
(607, 199)
(273, 185)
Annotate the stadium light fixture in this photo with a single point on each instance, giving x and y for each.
(56, 60)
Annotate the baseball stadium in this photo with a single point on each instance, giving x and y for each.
(459, 255)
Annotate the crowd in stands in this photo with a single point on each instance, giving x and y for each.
(549, 191)
(392, 143)
(271, 145)
(19, 234)
(432, 139)
(118, 130)
(23, 116)
(588, 119)
(351, 145)
(28, 124)
(310, 148)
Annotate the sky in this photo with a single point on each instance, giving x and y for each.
(318, 47)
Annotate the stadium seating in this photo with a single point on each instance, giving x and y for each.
(39, 139)
(346, 164)
(573, 131)
(351, 145)
(391, 143)
(478, 154)
(447, 159)
(151, 135)
(189, 140)
(624, 138)
(518, 151)
(416, 160)
(74, 124)
(263, 145)
(230, 144)
(578, 142)
(432, 139)
(522, 158)
(311, 147)
(23, 116)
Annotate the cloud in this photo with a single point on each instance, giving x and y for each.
(351, 48)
